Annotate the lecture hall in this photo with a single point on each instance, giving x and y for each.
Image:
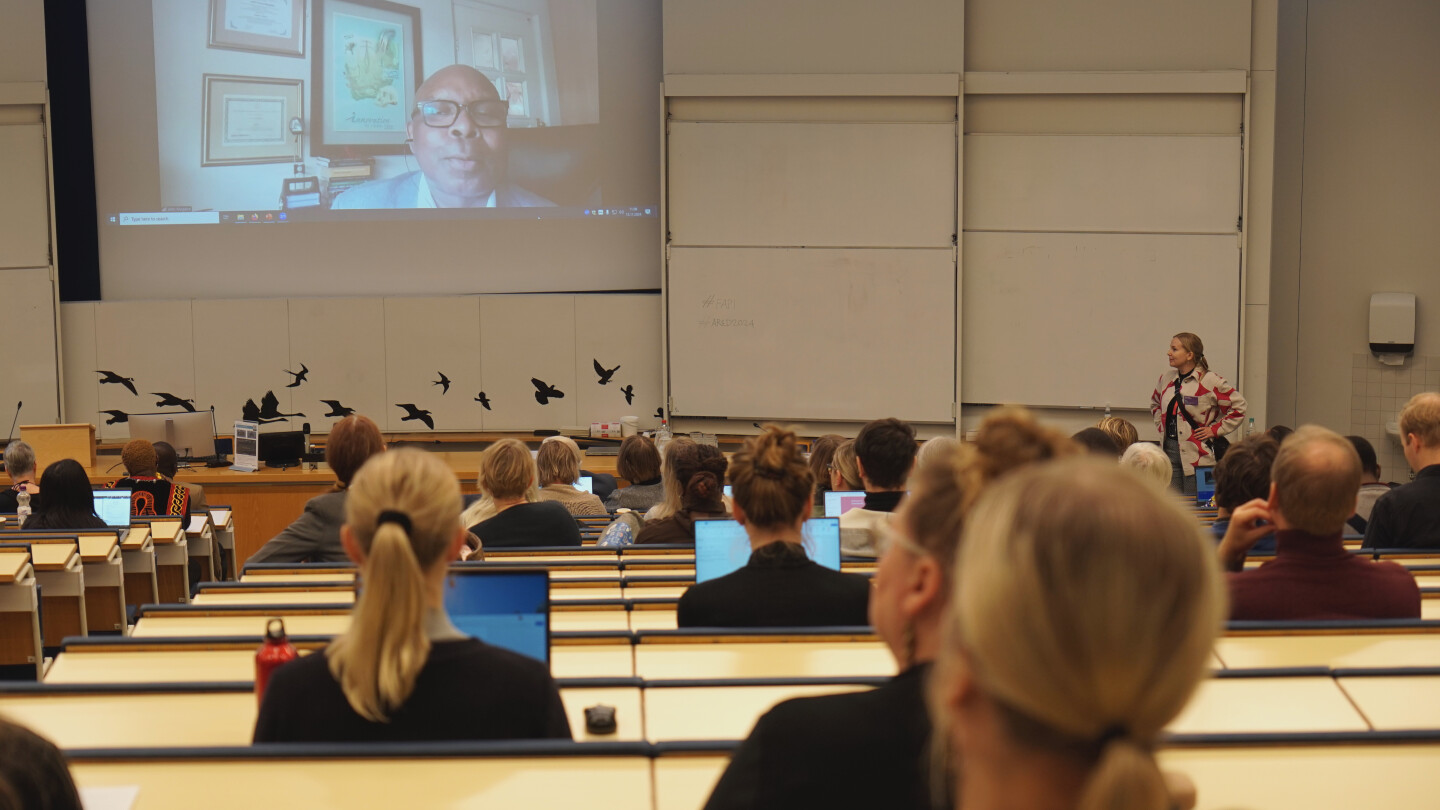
(799, 403)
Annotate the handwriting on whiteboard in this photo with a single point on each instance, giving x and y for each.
(727, 323)
(713, 301)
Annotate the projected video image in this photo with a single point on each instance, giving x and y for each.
(347, 105)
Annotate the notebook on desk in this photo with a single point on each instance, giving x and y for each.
(721, 545)
(113, 507)
(509, 609)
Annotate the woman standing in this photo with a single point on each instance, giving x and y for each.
(1193, 407)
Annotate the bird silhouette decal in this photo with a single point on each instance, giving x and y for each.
(112, 377)
(268, 411)
(416, 413)
(336, 409)
(298, 375)
(604, 373)
(483, 400)
(544, 391)
(116, 416)
(443, 382)
(629, 392)
(659, 413)
(172, 401)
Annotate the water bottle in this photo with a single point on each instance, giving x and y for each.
(662, 436)
(276, 651)
(22, 510)
(1250, 429)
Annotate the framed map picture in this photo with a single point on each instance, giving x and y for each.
(366, 58)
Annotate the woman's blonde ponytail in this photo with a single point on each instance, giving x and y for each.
(402, 509)
(1126, 777)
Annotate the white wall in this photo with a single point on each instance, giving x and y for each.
(1369, 193)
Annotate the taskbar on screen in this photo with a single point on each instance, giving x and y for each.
(317, 214)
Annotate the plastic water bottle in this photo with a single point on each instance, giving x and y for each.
(276, 650)
(662, 436)
(22, 510)
(1250, 429)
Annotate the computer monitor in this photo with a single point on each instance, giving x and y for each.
(721, 546)
(1204, 484)
(192, 434)
(838, 503)
(113, 506)
(509, 609)
(282, 448)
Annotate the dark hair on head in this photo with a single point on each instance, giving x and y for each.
(1279, 432)
(352, 441)
(1098, 441)
(1244, 473)
(886, 448)
(66, 499)
(167, 462)
(1369, 463)
(138, 455)
(34, 770)
(772, 482)
(638, 460)
(822, 450)
(700, 474)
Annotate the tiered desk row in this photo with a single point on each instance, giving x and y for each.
(1320, 715)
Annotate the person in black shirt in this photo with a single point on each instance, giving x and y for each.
(780, 586)
(20, 466)
(792, 756)
(69, 500)
(1409, 516)
(507, 474)
(402, 671)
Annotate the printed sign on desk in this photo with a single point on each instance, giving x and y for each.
(247, 447)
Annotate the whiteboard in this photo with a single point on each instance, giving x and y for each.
(1060, 319)
(1127, 183)
(818, 334)
(829, 184)
(25, 204)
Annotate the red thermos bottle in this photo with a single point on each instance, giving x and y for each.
(276, 650)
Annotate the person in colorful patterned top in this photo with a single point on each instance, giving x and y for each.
(1192, 407)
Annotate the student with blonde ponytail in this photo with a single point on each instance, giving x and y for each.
(780, 586)
(1075, 634)
(401, 671)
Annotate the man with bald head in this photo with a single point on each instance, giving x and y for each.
(1314, 485)
(1409, 516)
(457, 132)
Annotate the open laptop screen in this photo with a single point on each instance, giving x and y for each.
(721, 546)
(585, 484)
(838, 503)
(509, 609)
(1204, 484)
(113, 506)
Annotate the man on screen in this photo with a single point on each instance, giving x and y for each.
(457, 134)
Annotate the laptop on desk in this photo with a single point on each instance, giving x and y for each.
(509, 609)
(721, 545)
(1204, 485)
(838, 503)
(113, 507)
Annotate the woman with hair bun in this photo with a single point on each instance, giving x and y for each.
(790, 758)
(700, 478)
(402, 671)
(1193, 408)
(780, 586)
(1075, 633)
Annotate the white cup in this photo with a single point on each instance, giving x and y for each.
(629, 425)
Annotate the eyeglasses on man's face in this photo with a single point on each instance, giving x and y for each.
(485, 112)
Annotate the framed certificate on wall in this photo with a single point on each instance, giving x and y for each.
(261, 26)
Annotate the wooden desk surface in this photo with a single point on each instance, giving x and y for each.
(227, 598)
(595, 783)
(221, 518)
(263, 577)
(242, 626)
(98, 548)
(54, 556)
(1253, 705)
(1337, 651)
(14, 563)
(719, 712)
(1396, 703)
(794, 659)
(196, 666)
(166, 531)
(1332, 777)
(136, 539)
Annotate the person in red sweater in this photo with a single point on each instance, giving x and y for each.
(1314, 484)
